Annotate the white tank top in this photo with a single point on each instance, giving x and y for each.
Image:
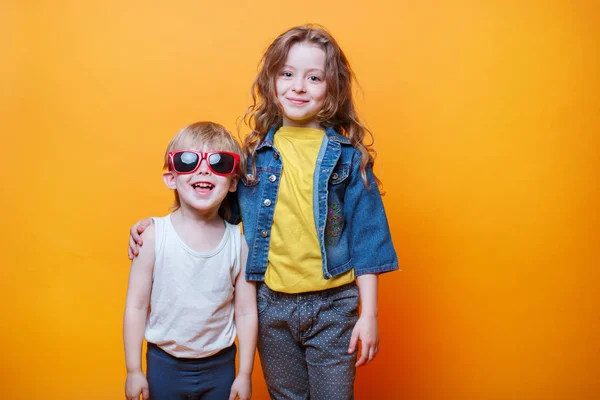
(191, 304)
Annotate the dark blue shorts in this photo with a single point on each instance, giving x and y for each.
(172, 378)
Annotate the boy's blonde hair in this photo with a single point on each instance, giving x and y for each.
(198, 135)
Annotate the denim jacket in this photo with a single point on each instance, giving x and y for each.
(351, 224)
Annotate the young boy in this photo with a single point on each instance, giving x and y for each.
(187, 293)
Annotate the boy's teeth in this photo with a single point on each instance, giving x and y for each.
(203, 185)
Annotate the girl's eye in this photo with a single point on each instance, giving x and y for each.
(287, 74)
(314, 78)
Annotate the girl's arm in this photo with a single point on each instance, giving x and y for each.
(134, 320)
(372, 252)
(366, 329)
(246, 321)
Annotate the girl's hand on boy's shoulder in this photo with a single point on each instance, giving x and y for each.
(135, 238)
(366, 331)
(135, 385)
(241, 388)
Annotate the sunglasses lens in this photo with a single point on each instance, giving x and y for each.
(185, 161)
(221, 163)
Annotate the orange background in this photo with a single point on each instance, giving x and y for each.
(486, 122)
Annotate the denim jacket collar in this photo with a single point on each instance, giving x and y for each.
(330, 132)
(336, 137)
(268, 140)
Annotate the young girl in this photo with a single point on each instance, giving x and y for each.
(182, 284)
(313, 219)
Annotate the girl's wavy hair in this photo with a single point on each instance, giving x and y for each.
(338, 112)
(197, 135)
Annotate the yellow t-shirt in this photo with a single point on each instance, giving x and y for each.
(295, 263)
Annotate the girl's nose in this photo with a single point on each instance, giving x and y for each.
(298, 84)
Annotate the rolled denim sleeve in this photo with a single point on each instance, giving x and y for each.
(371, 243)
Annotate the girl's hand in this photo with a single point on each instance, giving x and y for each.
(135, 239)
(367, 331)
(135, 385)
(241, 388)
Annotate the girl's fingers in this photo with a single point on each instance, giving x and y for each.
(353, 341)
(133, 248)
(372, 353)
(364, 355)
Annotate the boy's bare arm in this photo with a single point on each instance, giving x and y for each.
(246, 320)
(136, 310)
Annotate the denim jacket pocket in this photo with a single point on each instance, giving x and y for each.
(339, 174)
(250, 179)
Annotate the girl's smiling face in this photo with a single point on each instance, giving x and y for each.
(300, 85)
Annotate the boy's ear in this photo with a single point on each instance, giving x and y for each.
(169, 179)
(234, 182)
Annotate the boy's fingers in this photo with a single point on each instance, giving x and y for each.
(232, 394)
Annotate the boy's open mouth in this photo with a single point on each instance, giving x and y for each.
(203, 185)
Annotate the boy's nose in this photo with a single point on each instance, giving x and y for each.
(203, 168)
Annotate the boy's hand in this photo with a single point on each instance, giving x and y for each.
(367, 332)
(135, 240)
(241, 388)
(135, 385)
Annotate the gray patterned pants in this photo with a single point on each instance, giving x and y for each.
(303, 343)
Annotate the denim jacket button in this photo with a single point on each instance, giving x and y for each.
(276, 156)
(267, 202)
(264, 234)
(335, 175)
(272, 178)
(250, 177)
